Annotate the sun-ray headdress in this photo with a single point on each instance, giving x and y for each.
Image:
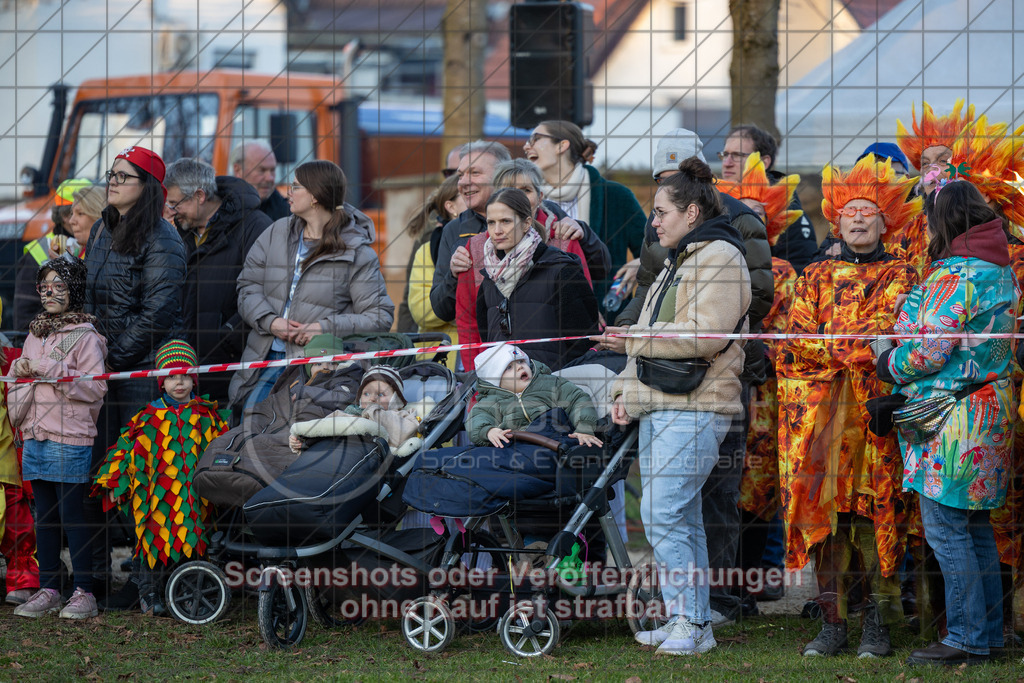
(876, 182)
(992, 161)
(775, 198)
(932, 130)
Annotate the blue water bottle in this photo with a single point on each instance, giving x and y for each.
(615, 296)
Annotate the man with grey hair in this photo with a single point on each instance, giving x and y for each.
(477, 160)
(219, 220)
(255, 163)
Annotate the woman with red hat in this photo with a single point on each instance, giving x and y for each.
(136, 267)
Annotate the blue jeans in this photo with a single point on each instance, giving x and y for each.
(678, 450)
(965, 547)
(267, 378)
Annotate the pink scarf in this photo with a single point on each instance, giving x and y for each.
(507, 271)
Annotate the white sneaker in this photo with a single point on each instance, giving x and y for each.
(687, 639)
(719, 619)
(655, 637)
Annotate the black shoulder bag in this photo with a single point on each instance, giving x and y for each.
(681, 376)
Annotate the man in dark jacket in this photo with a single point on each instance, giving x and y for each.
(476, 172)
(721, 492)
(798, 243)
(255, 163)
(219, 219)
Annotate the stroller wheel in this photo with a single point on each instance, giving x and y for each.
(282, 614)
(428, 624)
(644, 608)
(322, 611)
(197, 593)
(526, 632)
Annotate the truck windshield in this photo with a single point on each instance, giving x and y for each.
(173, 126)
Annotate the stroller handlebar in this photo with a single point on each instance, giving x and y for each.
(536, 440)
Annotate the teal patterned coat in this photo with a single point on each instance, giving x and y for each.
(966, 465)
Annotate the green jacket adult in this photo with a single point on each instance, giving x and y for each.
(497, 407)
(618, 219)
(762, 283)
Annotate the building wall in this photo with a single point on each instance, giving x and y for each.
(82, 39)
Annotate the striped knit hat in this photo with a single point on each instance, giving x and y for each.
(176, 354)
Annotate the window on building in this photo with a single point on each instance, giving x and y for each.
(679, 22)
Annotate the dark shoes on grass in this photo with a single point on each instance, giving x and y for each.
(938, 654)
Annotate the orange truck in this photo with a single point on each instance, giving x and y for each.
(206, 114)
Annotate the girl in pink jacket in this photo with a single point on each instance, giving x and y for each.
(58, 423)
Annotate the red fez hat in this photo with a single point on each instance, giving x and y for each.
(147, 160)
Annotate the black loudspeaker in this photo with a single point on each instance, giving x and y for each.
(550, 74)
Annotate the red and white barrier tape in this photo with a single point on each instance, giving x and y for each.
(425, 350)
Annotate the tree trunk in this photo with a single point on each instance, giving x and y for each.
(465, 36)
(754, 71)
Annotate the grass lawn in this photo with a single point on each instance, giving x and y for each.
(133, 647)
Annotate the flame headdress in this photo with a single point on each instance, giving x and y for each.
(932, 130)
(775, 198)
(874, 181)
(990, 160)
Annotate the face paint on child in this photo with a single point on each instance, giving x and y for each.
(377, 392)
(321, 367)
(516, 376)
(178, 387)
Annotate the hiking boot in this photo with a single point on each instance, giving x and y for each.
(687, 639)
(655, 637)
(20, 596)
(82, 605)
(125, 599)
(44, 601)
(874, 641)
(830, 640)
(152, 606)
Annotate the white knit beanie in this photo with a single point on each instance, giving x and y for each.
(675, 147)
(493, 361)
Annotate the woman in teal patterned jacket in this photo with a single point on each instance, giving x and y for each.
(961, 473)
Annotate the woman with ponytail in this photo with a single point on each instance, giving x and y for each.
(706, 289)
(609, 208)
(312, 273)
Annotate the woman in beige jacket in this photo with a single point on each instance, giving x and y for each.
(704, 289)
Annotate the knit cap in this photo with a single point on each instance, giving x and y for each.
(387, 374)
(176, 354)
(323, 345)
(492, 362)
(678, 145)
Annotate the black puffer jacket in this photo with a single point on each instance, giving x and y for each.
(210, 303)
(136, 298)
(759, 263)
(553, 299)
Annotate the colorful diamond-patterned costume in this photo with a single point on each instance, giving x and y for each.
(151, 467)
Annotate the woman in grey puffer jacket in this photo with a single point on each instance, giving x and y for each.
(313, 273)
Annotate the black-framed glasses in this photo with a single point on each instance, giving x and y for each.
(120, 176)
(173, 206)
(535, 137)
(56, 286)
(505, 319)
(658, 180)
(735, 156)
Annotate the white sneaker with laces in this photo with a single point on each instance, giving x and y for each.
(687, 639)
(719, 619)
(655, 637)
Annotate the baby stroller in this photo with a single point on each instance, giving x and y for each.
(529, 599)
(338, 501)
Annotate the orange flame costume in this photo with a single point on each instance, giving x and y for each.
(830, 464)
(759, 487)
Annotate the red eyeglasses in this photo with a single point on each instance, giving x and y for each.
(866, 211)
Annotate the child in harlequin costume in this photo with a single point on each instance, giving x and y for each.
(759, 486)
(840, 484)
(58, 423)
(149, 471)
